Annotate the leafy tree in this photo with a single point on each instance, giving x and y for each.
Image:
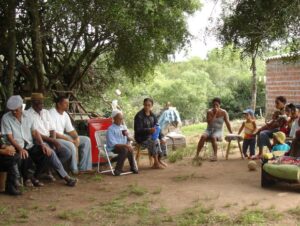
(254, 25)
(58, 41)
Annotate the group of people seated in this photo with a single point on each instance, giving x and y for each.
(36, 141)
(283, 128)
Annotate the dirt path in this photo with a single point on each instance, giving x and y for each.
(224, 186)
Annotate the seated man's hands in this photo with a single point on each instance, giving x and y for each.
(46, 150)
(24, 154)
(56, 144)
(8, 150)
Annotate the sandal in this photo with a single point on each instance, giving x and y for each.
(36, 182)
(28, 183)
(214, 158)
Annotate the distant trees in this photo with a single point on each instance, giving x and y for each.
(255, 25)
(54, 43)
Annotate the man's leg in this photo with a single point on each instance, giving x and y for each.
(264, 140)
(63, 153)
(245, 147)
(214, 145)
(85, 159)
(252, 147)
(9, 164)
(122, 154)
(71, 147)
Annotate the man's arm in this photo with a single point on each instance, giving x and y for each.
(23, 153)
(38, 138)
(227, 122)
(210, 116)
(8, 151)
(75, 138)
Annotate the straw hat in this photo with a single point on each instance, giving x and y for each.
(280, 137)
(37, 96)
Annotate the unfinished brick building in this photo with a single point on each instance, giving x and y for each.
(282, 78)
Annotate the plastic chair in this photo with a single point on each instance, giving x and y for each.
(100, 137)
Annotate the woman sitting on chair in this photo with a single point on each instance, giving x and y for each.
(214, 132)
(144, 127)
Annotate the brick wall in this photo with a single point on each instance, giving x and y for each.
(282, 79)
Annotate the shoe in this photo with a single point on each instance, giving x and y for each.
(49, 176)
(28, 183)
(117, 172)
(12, 190)
(71, 182)
(36, 182)
(135, 171)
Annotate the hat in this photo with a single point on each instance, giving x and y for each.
(249, 111)
(37, 96)
(14, 102)
(115, 112)
(280, 137)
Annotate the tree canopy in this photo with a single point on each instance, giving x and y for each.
(53, 44)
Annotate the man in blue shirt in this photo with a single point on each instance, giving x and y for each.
(117, 142)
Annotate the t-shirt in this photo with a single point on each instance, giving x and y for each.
(62, 122)
(248, 130)
(43, 121)
(294, 128)
(281, 147)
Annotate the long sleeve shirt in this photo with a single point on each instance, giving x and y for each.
(142, 126)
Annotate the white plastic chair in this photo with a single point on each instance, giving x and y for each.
(100, 137)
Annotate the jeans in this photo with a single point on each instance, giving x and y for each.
(9, 164)
(43, 161)
(84, 151)
(264, 138)
(251, 144)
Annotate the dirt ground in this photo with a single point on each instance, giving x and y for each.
(215, 193)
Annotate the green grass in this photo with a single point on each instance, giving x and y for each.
(195, 129)
(180, 178)
(258, 216)
(200, 215)
(72, 215)
(180, 153)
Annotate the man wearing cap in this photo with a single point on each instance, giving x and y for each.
(20, 129)
(68, 137)
(117, 142)
(46, 127)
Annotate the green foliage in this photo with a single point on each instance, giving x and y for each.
(188, 85)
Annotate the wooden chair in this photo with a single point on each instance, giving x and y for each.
(139, 152)
(234, 137)
(219, 143)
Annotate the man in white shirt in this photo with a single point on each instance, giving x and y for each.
(20, 129)
(67, 136)
(46, 126)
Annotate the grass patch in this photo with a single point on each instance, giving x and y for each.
(295, 212)
(72, 215)
(3, 210)
(135, 189)
(258, 216)
(200, 215)
(192, 176)
(194, 129)
(157, 191)
(23, 213)
(180, 153)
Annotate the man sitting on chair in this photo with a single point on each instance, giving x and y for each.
(215, 120)
(117, 142)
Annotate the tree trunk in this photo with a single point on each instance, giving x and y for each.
(11, 53)
(254, 82)
(33, 9)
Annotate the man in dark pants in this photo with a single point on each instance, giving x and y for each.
(20, 130)
(9, 163)
(117, 142)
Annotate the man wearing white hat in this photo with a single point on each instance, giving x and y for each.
(117, 142)
(20, 130)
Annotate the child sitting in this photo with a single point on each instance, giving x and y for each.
(249, 127)
(279, 145)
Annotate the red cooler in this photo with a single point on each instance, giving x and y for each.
(95, 125)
